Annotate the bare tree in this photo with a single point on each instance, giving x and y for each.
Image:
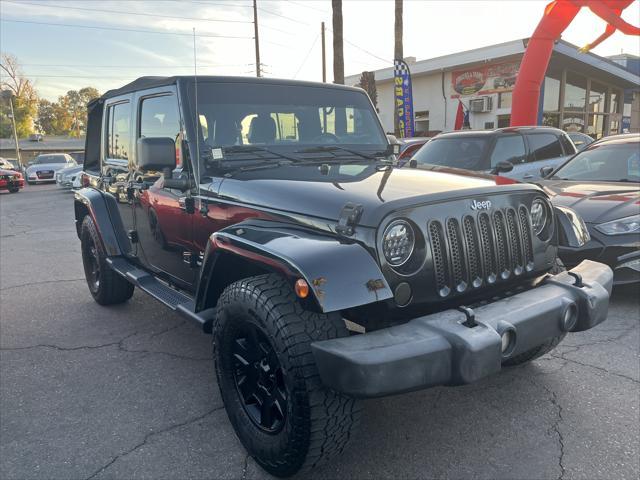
(25, 98)
(338, 49)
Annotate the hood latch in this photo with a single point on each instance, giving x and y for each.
(349, 218)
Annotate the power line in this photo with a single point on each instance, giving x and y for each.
(95, 27)
(126, 13)
(306, 57)
(130, 66)
(386, 60)
(300, 4)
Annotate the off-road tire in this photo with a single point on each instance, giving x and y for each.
(111, 288)
(546, 347)
(319, 422)
(14, 190)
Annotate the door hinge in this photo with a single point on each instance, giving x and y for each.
(133, 236)
(348, 219)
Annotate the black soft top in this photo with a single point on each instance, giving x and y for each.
(144, 83)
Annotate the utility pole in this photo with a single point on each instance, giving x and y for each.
(397, 55)
(9, 96)
(255, 36)
(338, 50)
(324, 55)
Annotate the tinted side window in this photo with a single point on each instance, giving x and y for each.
(509, 149)
(118, 131)
(159, 117)
(545, 145)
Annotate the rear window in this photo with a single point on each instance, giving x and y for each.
(51, 159)
(118, 131)
(459, 152)
(544, 146)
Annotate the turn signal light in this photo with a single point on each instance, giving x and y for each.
(302, 288)
(85, 181)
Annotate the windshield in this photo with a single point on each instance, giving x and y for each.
(294, 116)
(459, 152)
(50, 159)
(613, 163)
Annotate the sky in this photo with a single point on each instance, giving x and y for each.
(68, 44)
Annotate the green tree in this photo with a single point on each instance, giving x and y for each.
(76, 104)
(25, 99)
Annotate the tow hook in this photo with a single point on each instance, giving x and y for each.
(470, 322)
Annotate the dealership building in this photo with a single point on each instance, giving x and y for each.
(581, 91)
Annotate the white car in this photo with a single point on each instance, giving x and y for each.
(44, 167)
(66, 176)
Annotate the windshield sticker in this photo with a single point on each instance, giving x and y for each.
(217, 153)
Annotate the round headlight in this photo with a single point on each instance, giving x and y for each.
(539, 215)
(398, 242)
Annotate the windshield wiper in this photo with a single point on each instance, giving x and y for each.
(335, 148)
(253, 149)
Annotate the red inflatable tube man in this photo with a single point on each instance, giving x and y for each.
(558, 15)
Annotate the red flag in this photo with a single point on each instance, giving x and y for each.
(459, 117)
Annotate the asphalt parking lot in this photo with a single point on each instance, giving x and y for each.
(129, 392)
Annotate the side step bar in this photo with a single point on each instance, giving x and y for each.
(175, 300)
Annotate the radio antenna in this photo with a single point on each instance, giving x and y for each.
(197, 124)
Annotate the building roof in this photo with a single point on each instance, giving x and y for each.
(49, 144)
(503, 51)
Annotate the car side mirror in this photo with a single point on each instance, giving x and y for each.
(156, 154)
(413, 163)
(546, 171)
(394, 145)
(502, 167)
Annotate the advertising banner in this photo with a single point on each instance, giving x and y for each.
(484, 79)
(403, 96)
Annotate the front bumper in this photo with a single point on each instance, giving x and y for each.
(439, 349)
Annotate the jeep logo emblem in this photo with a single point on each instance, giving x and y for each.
(484, 205)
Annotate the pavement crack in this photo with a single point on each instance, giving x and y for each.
(245, 467)
(41, 283)
(556, 425)
(561, 356)
(150, 435)
(70, 349)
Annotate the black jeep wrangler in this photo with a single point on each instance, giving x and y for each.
(270, 213)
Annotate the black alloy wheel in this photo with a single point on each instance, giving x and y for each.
(259, 379)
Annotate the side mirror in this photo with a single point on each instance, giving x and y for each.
(502, 167)
(546, 171)
(413, 163)
(156, 154)
(394, 145)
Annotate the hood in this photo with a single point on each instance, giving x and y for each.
(70, 170)
(46, 166)
(596, 202)
(307, 190)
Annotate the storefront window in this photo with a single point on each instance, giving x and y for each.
(504, 100)
(551, 102)
(595, 128)
(551, 119)
(597, 98)
(575, 93)
(613, 104)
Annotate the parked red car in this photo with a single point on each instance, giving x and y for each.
(11, 180)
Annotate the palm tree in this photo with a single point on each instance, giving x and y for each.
(338, 51)
(398, 32)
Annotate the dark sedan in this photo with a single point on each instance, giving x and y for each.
(602, 184)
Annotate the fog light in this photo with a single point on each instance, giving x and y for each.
(508, 341)
(570, 317)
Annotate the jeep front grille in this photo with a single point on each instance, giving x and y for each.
(480, 249)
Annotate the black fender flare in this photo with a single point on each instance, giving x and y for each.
(572, 231)
(103, 210)
(341, 274)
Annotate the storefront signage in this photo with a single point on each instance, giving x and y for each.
(484, 79)
(403, 97)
